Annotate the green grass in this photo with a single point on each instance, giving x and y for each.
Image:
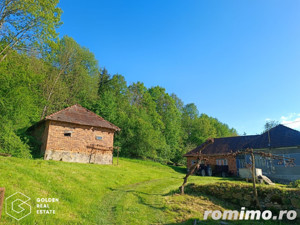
(134, 192)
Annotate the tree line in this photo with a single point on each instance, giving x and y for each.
(41, 74)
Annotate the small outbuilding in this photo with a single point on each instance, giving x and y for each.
(75, 134)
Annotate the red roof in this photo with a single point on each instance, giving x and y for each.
(80, 115)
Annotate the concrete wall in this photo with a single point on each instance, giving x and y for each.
(82, 146)
(276, 171)
(283, 172)
(247, 172)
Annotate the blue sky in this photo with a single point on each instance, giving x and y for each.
(238, 61)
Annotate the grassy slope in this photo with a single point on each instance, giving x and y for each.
(135, 192)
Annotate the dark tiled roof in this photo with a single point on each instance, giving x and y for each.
(280, 136)
(224, 145)
(80, 115)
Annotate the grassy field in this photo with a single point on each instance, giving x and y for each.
(134, 192)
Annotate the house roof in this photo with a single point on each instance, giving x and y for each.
(280, 136)
(79, 115)
(224, 145)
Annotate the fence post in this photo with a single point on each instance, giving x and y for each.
(2, 191)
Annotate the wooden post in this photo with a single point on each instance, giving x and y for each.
(2, 191)
(253, 172)
(118, 156)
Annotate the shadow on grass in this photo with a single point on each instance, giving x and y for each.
(177, 191)
(194, 221)
(214, 200)
(227, 222)
(178, 169)
(187, 222)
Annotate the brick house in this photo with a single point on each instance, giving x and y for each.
(280, 140)
(75, 134)
(217, 152)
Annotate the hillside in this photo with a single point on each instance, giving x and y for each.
(134, 192)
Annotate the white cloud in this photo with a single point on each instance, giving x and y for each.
(292, 120)
(283, 118)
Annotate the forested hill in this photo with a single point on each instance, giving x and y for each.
(41, 74)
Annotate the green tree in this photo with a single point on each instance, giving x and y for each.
(197, 129)
(104, 78)
(20, 99)
(73, 77)
(26, 24)
(148, 120)
(171, 118)
(270, 124)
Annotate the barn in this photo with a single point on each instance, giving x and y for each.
(75, 134)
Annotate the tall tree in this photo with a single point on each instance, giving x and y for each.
(20, 97)
(104, 78)
(73, 78)
(171, 118)
(270, 124)
(28, 24)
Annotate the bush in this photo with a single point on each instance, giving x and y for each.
(11, 143)
(295, 184)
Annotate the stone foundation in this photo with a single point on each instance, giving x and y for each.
(99, 157)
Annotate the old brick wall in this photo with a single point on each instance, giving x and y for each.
(212, 160)
(82, 146)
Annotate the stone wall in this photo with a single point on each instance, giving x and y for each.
(97, 157)
(82, 146)
(270, 197)
(211, 160)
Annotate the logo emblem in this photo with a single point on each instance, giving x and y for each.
(17, 207)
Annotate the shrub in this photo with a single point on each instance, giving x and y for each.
(11, 143)
(295, 184)
(270, 197)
